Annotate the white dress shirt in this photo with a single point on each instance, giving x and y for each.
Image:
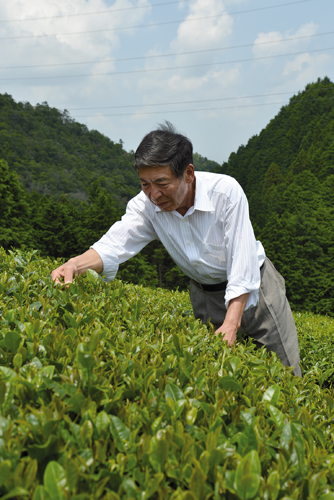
(213, 242)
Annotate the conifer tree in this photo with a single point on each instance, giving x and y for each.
(14, 210)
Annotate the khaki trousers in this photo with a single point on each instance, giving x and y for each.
(270, 323)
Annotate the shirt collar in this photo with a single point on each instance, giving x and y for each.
(202, 201)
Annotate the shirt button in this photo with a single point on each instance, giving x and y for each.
(188, 242)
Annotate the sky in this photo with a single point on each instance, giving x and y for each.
(219, 70)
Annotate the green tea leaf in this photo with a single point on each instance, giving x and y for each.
(188, 495)
(41, 451)
(176, 342)
(229, 383)
(85, 360)
(248, 476)
(277, 416)
(86, 431)
(93, 277)
(41, 493)
(7, 373)
(76, 402)
(235, 364)
(12, 341)
(179, 405)
(130, 488)
(55, 480)
(16, 492)
(173, 392)
(274, 483)
(197, 481)
(30, 474)
(159, 451)
(153, 485)
(102, 423)
(17, 360)
(297, 456)
(121, 433)
(272, 394)
(191, 416)
(3, 389)
(5, 468)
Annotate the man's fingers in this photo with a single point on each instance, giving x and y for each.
(56, 276)
(63, 275)
(226, 337)
(68, 275)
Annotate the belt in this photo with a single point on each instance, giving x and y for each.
(216, 287)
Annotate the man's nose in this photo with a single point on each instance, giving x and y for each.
(155, 192)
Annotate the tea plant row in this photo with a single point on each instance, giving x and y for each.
(115, 391)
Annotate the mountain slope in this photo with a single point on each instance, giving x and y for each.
(287, 172)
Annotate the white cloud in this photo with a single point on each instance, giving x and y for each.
(298, 72)
(213, 79)
(298, 64)
(62, 47)
(271, 43)
(196, 75)
(203, 33)
(307, 67)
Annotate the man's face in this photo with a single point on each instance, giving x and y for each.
(167, 191)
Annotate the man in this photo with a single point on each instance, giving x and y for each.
(202, 220)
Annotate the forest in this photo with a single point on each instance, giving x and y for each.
(62, 186)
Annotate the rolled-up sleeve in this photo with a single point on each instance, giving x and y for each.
(243, 268)
(125, 238)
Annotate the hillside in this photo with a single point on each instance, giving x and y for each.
(287, 172)
(55, 155)
(305, 125)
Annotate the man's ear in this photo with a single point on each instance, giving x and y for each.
(189, 173)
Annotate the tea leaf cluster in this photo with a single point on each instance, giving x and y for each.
(115, 391)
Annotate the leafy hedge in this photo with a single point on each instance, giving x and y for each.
(114, 391)
(316, 338)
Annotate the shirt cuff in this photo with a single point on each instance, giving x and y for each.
(233, 291)
(109, 260)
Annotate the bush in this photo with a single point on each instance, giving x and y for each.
(113, 391)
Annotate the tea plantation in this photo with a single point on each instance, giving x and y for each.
(114, 391)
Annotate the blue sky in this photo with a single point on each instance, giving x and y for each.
(219, 70)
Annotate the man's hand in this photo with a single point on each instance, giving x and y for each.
(65, 273)
(228, 332)
(232, 322)
(78, 265)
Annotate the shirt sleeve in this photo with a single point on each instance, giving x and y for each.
(125, 238)
(243, 269)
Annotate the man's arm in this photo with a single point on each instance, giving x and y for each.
(232, 322)
(78, 265)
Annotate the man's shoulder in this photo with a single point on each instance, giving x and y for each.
(219, 183)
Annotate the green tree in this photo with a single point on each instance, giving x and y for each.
(14, 210)
(56, 226)
(97, 215)
(273, 177)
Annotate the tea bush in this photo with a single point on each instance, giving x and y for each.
(316, 337)
(114, 391)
